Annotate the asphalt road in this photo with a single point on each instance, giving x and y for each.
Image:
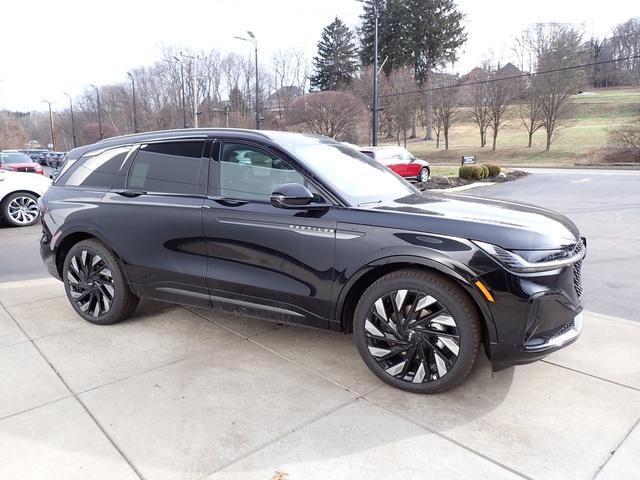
(604, 204)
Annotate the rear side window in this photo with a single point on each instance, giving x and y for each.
(168, 168)
(97, 170)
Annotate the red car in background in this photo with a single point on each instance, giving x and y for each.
(401, 161)
(19, 162)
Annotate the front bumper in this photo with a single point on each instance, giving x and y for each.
(534, 315)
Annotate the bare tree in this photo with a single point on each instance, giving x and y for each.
(531, 110)
(500, 95)
(625, 43)
(401, 103)
(444, 112)
(331, 113)
(12, 133)
(481, 102)
(555, 46)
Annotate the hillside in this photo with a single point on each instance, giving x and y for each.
(580, 139)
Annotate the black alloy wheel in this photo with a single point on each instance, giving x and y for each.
(417, 331)
(96, 285)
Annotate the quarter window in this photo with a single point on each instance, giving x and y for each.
(168, 168)
(97, 170)
(249, 173)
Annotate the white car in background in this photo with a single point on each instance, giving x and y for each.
(19, 193)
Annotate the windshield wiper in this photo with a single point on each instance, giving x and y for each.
(369, 203)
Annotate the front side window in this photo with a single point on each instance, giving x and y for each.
(174, 168)
(250, 173)
(357, 178)
(97, 169)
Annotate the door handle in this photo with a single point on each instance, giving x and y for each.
(130, 193)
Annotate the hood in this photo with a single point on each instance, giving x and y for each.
(24, 181)
(511, 225)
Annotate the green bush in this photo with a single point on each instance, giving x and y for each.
(478, 172)
(466, 171)
(494, 170)
(485, 170)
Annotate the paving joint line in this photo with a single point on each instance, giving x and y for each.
(285, 434)
(612, 453)
(66, 397)
(74, 395)
(548, 362)
(452, 440)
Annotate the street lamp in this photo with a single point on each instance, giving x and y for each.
(135, 116)
(73, 123)
(53, 131)
(374, 127)
(253, 40)
(100, 132)
(184, 111)
(195, 90)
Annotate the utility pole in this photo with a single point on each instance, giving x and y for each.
(253, 40)
(100, 132)
(184, 111)
(374, 106)
(195, 89)
(135, 114)
(53, 130)
(73, 123)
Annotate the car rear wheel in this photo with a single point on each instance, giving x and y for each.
(96, 285)
(20, 209)
(423, 176)
(417, 331)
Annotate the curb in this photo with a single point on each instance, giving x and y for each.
(466, 187)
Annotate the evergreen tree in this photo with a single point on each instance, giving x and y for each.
(421, 34)
(335, 65)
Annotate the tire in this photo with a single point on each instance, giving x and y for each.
(97, 289)
(20, 209)
(440, 338)
(423, 175)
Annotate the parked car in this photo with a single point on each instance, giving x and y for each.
(401, 161)
(18, 162)
(19, 193)
(304, 230)
(36, 155)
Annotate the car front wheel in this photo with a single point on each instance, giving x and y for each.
(423, 176)
(417, 331)
(20, 209)
(96, 285)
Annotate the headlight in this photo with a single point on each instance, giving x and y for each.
(530, 261)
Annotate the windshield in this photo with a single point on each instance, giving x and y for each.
(355, 177)
(15, 158)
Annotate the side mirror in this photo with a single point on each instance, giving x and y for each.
(295, 196)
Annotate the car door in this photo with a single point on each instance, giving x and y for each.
(263, 260)
(152, 216)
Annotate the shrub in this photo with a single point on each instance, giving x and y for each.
(466, 171)
(485, 171)
(478, 172)
(494, 170)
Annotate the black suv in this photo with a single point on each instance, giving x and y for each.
(304, 230)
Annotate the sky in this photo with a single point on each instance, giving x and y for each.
(54, 46)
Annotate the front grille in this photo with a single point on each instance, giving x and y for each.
(577, 269)
(564, 329)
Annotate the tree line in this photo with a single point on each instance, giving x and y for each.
(331, 94)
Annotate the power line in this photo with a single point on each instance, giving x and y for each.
(511, 77)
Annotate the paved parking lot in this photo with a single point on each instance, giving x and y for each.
(176, 393)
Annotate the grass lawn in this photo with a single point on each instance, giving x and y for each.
(577, 140)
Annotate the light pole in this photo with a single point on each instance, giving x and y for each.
(195, 90)
(73, 123)
(374, 109)
(253, 40)
(184, 111)
(100, 132)
(53, 130)
(135, 113)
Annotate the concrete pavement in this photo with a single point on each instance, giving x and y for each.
(176, 394)
(605, 205)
